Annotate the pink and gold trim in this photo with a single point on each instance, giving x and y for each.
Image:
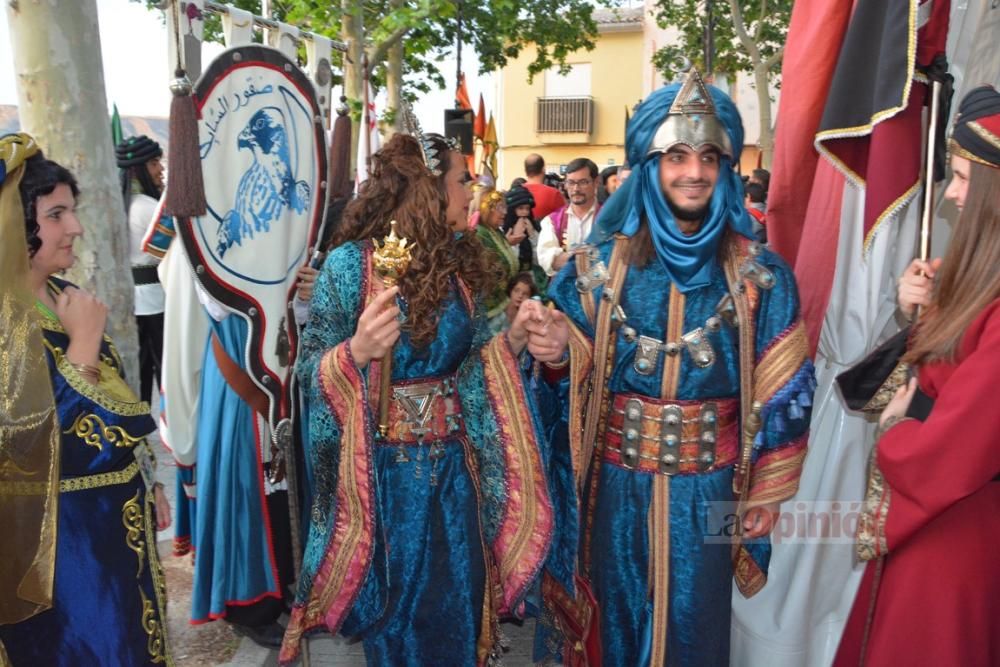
(348, 555)
(525, 534)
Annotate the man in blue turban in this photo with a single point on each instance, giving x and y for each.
(684, 401)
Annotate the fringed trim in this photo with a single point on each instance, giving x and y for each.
(349, 551)
(525, 534)
(780, 361)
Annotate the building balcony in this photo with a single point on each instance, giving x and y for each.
(564, 119)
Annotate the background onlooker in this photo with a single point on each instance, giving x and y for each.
(547, 198)
(570, 225)
(520, 287)
(609, 183)
(753, 200)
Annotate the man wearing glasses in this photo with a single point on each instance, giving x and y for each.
(569, 226)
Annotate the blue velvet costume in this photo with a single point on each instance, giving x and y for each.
(616, 499)
(427, 589)
(109, 605)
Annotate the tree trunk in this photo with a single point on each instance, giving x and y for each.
(62, 103)
(394, 88)
(764, 104)
(353, 34)
(394, 78)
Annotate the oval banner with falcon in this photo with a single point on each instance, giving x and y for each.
(263, 157)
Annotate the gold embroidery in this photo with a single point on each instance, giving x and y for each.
(155, 628)
(91, 429)
(102, 479)
(151, 624)
(132, 520)
(97, 394)
(870, 542)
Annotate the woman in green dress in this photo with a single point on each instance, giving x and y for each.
(492, 210)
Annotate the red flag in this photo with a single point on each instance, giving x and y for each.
(869, 129)
(814, 37)
(479, 122)
(462, 94)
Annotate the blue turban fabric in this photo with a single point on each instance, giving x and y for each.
(687, 259)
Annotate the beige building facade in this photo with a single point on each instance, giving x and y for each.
(581, 113)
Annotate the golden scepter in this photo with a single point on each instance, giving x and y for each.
(391, 260)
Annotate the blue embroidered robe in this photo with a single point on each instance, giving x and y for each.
(419, 571)
(616, 540)
(109, 605)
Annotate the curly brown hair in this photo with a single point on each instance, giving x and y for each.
(400, 187)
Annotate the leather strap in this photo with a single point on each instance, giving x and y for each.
(604, 351)
(238, 379)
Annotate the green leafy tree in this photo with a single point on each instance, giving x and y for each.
(748, 36)
(406, 40)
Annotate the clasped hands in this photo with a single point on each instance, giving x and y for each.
(544, 331)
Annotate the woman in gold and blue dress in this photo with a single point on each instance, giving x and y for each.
(108, 602)
(423, 537)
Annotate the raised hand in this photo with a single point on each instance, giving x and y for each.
(378, 328)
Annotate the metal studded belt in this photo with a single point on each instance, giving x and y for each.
(672, 437)
(423, 411)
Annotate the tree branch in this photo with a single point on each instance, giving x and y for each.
(775, 58)
(760, 21)
(378, 52)
(741, 32)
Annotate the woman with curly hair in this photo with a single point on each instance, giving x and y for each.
(423, 536)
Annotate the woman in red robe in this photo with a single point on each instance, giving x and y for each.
(930, 526)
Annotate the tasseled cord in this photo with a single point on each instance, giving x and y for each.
(185, 196)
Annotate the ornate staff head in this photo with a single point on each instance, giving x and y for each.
(392, 258)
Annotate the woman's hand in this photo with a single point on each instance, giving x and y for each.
(307, 278)
(84, 317)
(162, 507)
(760, 521)
(900, 402)
(914, 287)
(377, 330)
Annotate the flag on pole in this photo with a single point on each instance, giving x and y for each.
(462, 99)
(479, 121)
(490, 147)
(117, 136)
(369, 138)
(842, 209)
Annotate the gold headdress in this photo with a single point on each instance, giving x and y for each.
(29, 427)
(692, 121)
(490, 201)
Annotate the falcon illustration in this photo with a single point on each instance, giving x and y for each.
(268, 186)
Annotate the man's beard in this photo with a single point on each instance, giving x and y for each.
(683, 215)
